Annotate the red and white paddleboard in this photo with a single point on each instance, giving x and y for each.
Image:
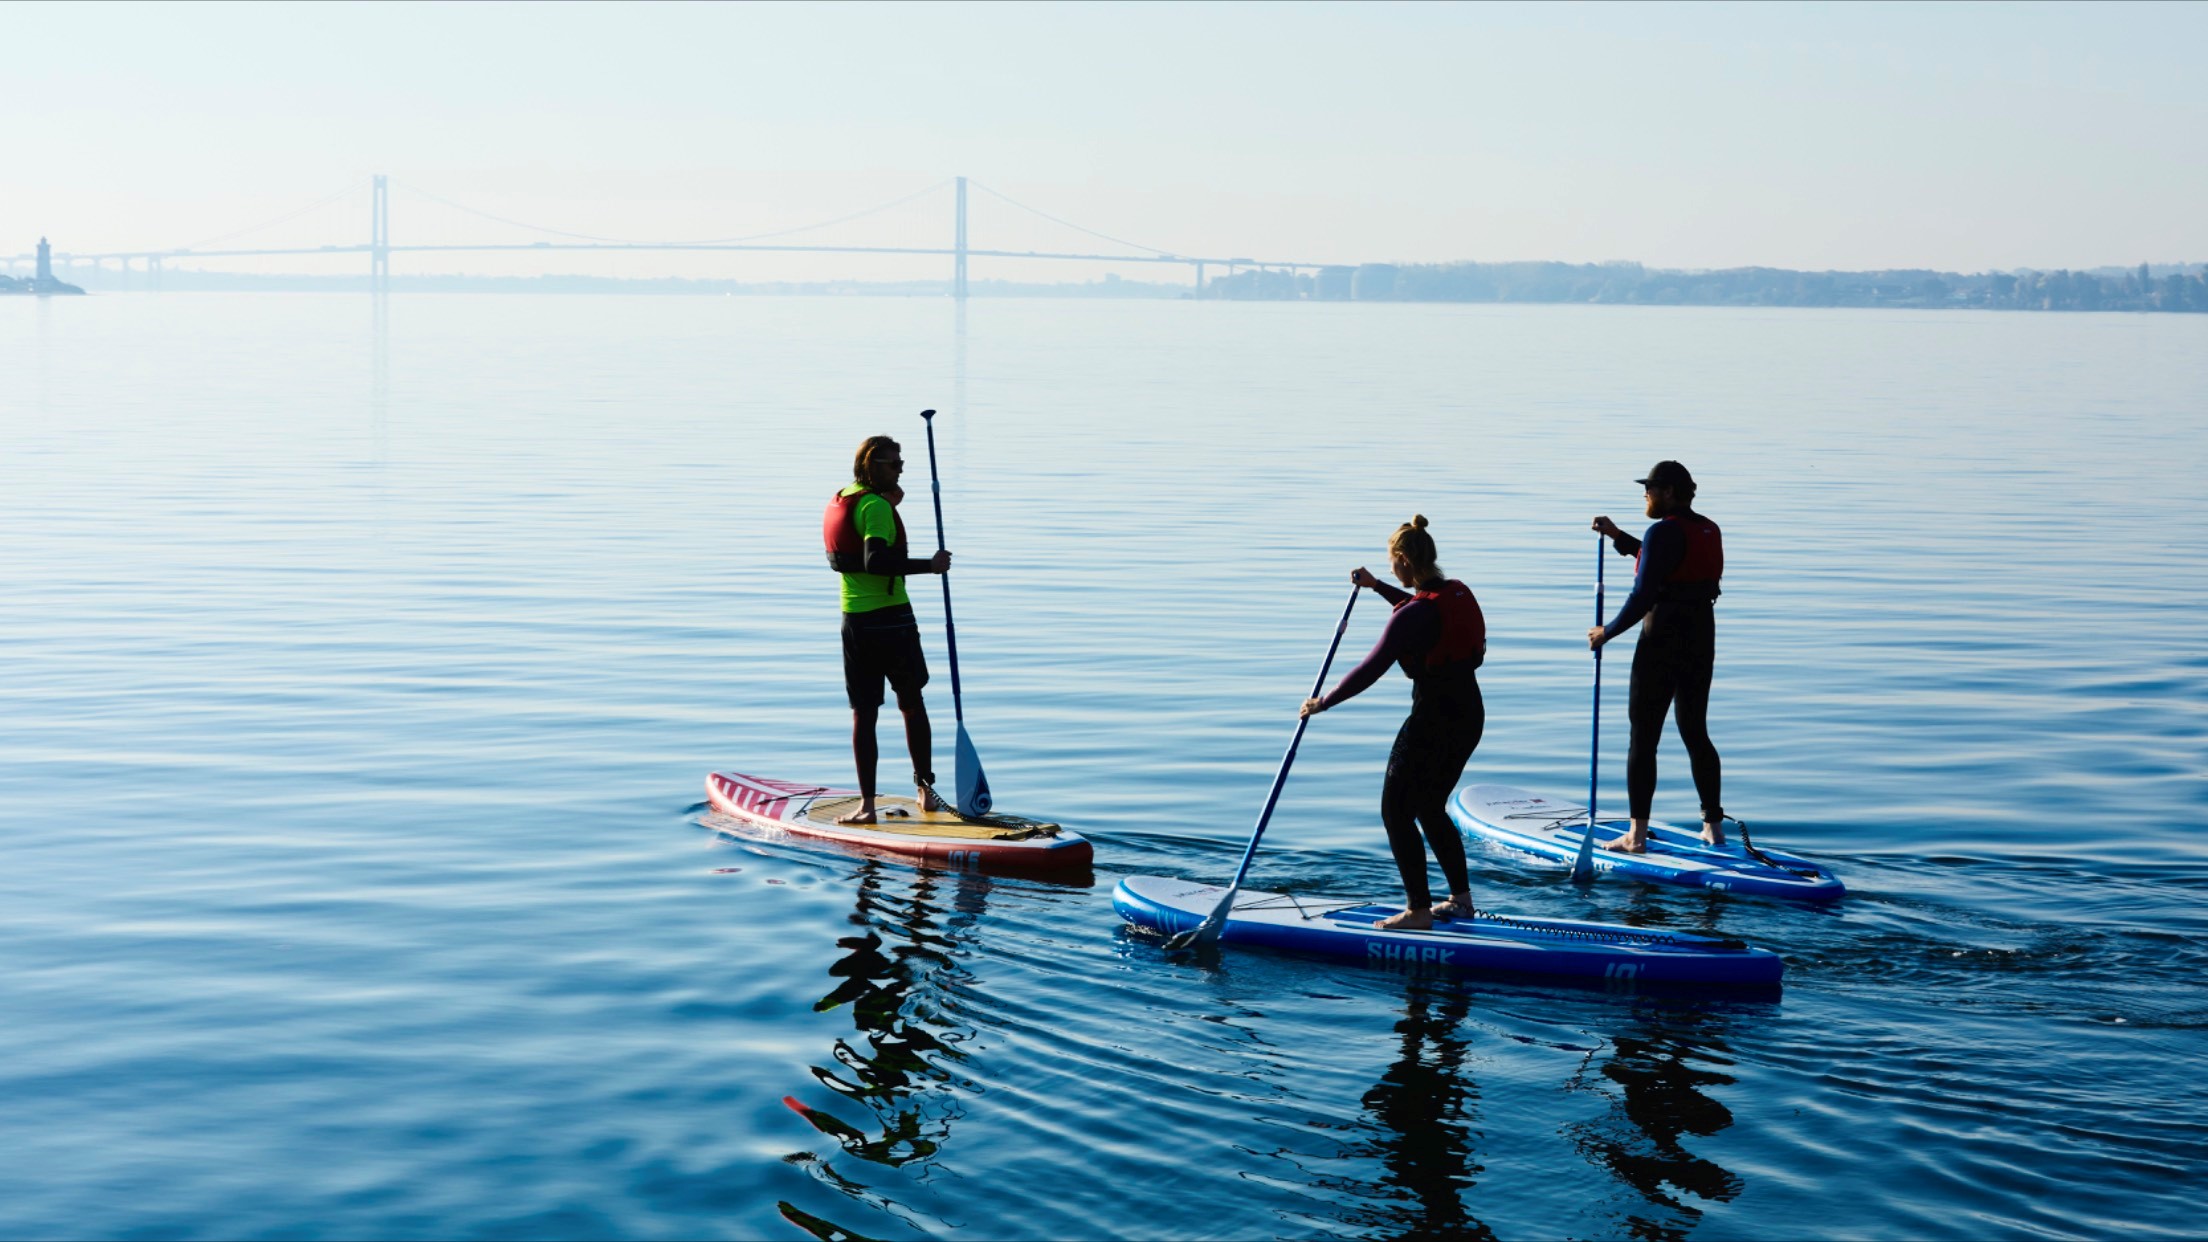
(792, 808)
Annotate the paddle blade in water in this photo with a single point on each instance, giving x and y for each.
(1583, 867)
(1206, 932)
(973, 785)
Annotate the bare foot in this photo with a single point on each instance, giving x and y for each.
(1627, 844)
(864, 815)
(1458, 906)
(929, 802)
(1409, 920)
(1713, 834)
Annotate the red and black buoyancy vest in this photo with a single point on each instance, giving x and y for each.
(839, 529)
(1699, 570)
(1463, 628)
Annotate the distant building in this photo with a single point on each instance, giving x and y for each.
(1373, 282)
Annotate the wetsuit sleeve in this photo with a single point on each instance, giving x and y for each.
(1626, 544)
(881, 559)
(1661, 552)
(878, 527)
(1394, 596)
(1410, 633)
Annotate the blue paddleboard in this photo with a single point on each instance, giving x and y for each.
(1551, 828)
(1485, 943)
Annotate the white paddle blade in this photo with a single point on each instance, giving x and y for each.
(1583, 867)
(1206, 932)
(973, 785)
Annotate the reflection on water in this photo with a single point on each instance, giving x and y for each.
(826, 1230)
(1426, 1109)
(1415, 1162)
(890, 997)
(892, 976)
(1662, 1074)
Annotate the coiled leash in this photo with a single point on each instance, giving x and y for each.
(926, 781)
(1748, 847)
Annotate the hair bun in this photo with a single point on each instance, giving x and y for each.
(1418, 521)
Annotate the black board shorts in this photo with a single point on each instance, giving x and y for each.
(882, 646)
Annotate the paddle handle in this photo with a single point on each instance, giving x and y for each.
(950, 630)
(1280, 778)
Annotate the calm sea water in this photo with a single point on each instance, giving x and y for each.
(365, 660)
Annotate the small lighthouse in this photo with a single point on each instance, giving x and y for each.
(43, 283)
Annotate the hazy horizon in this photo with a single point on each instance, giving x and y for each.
(1810, 137)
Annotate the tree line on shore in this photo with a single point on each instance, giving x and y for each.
(2140, 289)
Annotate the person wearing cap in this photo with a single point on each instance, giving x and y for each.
(1677, 566)
(881, 638)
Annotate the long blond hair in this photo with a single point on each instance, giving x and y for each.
(1417, 547)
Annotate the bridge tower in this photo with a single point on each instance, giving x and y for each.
(958, 263)
(379, 236)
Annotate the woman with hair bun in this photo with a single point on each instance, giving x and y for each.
(1438, 637)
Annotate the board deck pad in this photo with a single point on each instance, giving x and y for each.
(797, 809)
(1551, 828)
(1610, 953)
(903, 815)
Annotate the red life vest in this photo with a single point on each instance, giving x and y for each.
(1701, 567)
(839, 530)
(1463, 627)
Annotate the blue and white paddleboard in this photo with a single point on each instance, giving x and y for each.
(1551, 828)
(1485, 943)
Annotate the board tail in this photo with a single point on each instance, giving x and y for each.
(973, 784)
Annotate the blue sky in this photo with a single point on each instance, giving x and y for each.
(1845, 136)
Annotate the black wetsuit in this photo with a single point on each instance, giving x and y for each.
(1672, 665)
(1431, 749)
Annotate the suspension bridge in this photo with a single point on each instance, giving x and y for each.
(1331, 280)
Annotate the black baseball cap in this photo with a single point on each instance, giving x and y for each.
(1667, 474)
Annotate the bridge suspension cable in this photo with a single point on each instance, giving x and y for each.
(1117, 241)
(699, 241)
(324, 201)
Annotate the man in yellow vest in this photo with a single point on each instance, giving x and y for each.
(865, 541)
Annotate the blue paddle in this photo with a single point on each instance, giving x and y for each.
(973, 787)
(1583, 868)
(1207, 932)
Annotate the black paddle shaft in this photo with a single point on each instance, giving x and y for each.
(1207, 932)
(950, 631)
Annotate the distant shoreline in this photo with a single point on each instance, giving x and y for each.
(2161, 288)
(35, 287)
